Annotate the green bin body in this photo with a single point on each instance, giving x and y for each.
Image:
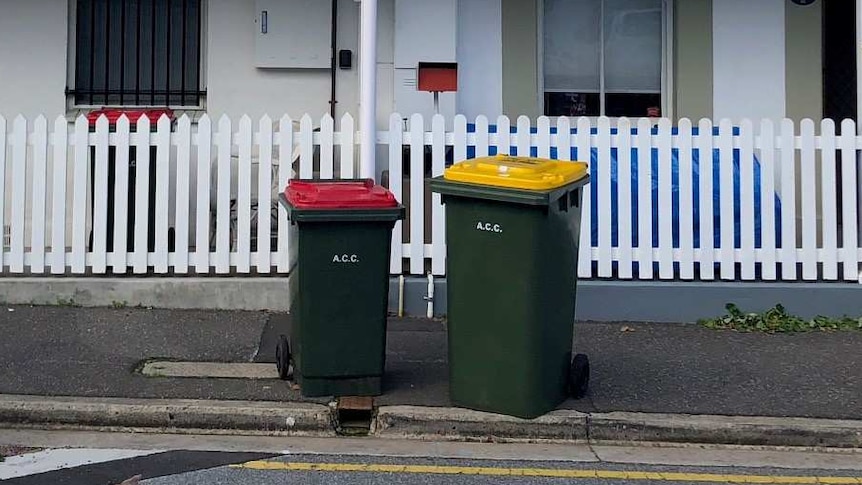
(339, 291)
(511, 278)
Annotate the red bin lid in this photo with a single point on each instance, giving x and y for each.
(353, 194)
(133, 115)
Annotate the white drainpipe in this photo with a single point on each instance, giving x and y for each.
(859, 122)
(368, 88)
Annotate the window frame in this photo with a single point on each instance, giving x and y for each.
(667, 106)
(71, 65)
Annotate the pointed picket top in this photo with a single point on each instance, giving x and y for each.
(265, 120)
(204, 119)
(305, 120)
(60, 123)
(184, 119)
(41, 123)
(143, 125)
(346, 119)
(20, 124)
(327, 122)
(245, 120)
(286, 120)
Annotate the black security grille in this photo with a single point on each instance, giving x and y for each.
(138, 52)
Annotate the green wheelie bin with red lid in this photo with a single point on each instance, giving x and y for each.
(339, 286)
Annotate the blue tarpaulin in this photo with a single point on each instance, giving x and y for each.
(675, 177)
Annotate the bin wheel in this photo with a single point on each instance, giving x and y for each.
(579, 377)
(283, 358)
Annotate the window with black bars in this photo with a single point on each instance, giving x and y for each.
(138, 53)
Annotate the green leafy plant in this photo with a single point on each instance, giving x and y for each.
(777, 320)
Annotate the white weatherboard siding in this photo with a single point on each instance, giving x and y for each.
(33, 83)
(748, 59)
(480, 58)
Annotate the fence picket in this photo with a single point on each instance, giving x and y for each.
(828, 201)
(459, 151)
(19, 191)
(624, 194)
(285, 173)
(3, 191)
(788, 194)
(118, 257)
(348, 145)
(396, 181)
(850, 251)
(767, 201)
(79, 194)
(58, 193)
(808, 179)
(202, 204)
(704, 145)
(39, 195)
(327, 159)
(644, 150)
(686, 201)
(523, 136)
(482, 142)
(746, 199)
(181, 210)
(100, 199)
(142, 199)
(585, 249)
(223, 147)
(603, 192)
(543, 130)
(264, 197)
(163, 180)
(665, 201)
(438, 216)
(306, 148)
(726, 202)
(417, 195)
(504, 138)
(242, 236)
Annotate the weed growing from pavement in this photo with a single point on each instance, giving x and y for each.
(777, 320)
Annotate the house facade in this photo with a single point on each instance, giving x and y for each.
(672, 58)
(265, 90)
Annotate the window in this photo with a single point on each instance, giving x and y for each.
(137, 52)
(602, 57)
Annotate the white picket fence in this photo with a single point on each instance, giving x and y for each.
(773, 214)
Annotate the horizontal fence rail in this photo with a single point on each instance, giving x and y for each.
(764, 202)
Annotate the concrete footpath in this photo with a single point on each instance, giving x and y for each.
(81, 367)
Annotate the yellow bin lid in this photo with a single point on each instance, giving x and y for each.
(517, 172)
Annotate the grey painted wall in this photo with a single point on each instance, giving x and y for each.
(33, 45)
(520, 58)
(692, 59)
(804, 44)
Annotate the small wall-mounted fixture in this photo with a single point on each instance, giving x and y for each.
(345, 59)
(437, 77)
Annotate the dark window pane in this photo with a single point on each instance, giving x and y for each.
(138, 52)
(572, 104)
(633, 104)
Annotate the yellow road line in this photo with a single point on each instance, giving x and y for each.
(548, 473)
